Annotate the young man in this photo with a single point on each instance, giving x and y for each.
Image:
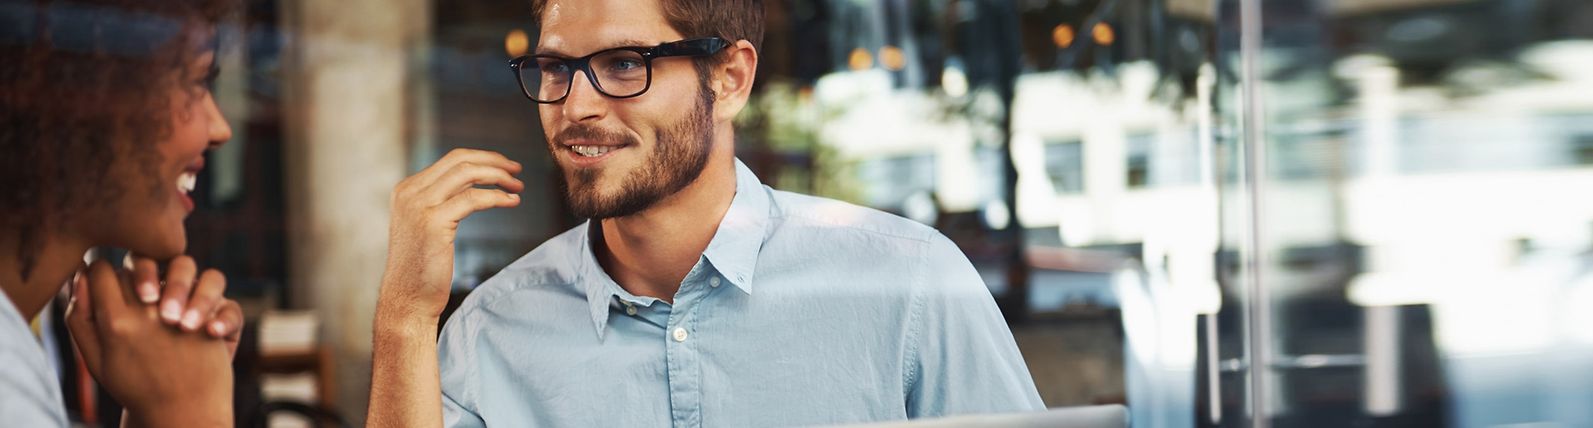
(695, 295)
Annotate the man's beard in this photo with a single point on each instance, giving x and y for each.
(678, 157)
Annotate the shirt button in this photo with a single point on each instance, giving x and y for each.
(713, 282)
(630, 309)
(680, 334)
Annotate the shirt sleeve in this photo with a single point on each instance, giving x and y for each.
(456, 416)
(962, 358)
(457, 372)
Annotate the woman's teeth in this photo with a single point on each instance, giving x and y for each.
(590, 151)
(186, 182)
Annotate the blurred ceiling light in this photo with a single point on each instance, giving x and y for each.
(1103, 34)
(921, 207)
(860, 60)
(516, 43)
(892, 58)
(996, 215)
(1353, 67)
(954, 82)
(1063, 36)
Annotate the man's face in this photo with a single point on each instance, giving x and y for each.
(648, 147)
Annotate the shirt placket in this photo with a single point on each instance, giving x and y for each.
(682, 355)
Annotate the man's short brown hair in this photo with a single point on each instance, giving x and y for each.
(727, 19)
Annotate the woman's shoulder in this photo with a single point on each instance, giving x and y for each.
(31, 389)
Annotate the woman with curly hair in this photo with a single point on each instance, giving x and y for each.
(105, 117)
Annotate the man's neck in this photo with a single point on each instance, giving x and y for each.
(651, 252)
(53, 263)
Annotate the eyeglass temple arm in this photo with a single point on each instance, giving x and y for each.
(703, 46)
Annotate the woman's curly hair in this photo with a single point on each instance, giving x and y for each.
(84, 86)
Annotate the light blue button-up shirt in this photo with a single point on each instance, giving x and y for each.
(802, 311)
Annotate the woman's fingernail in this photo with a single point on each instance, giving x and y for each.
(171, 311)
(191, 320)
(217, 328)
(148, 293)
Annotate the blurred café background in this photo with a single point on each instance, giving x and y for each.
(1236, 213)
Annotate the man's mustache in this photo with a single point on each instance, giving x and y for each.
(593, 133)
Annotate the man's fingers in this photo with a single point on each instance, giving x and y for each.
(483, 157)
(146, 279)
(202, 304)
(465, 175)
(80, 320)
(472, 200)
(458, 156)
(180, 275)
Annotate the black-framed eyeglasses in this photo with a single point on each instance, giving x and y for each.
(623, 72)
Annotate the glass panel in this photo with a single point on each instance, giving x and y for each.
(1294, 213)
(1425, 239)
(1071, 148)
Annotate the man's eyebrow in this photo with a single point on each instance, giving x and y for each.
(541, 50)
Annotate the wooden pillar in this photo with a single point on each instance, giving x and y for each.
(350, 106)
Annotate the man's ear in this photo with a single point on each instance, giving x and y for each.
(733, 80)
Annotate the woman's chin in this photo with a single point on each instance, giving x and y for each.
(161, 252)
(162, 247)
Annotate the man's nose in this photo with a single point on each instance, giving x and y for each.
(584, 103)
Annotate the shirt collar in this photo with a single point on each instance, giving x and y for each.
(735, 246)
(733, 251)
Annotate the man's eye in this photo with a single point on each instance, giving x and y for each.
(627, 64)
(551, 65)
